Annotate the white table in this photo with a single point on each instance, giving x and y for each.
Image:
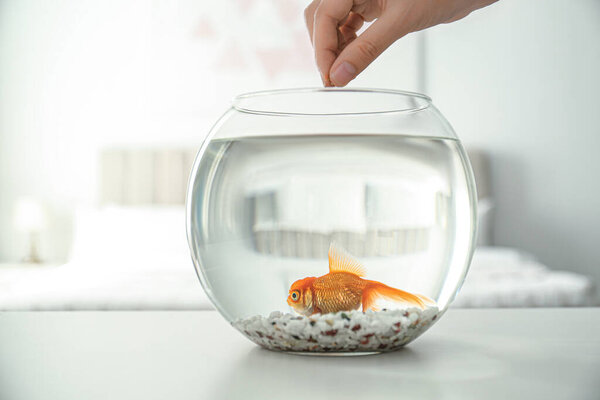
(470, 354)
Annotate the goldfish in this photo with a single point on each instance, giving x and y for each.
(344, 289)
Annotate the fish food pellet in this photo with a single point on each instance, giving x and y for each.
(348, 331)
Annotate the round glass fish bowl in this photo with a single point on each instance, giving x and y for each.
(331, 221)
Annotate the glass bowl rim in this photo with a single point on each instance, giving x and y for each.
(425, 100)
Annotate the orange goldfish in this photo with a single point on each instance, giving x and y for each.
(343, 289)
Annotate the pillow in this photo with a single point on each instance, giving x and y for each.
(142, 236)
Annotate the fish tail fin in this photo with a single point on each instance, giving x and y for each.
(376, 290)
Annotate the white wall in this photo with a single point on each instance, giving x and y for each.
(518, 79)
(80, 75)
(521, 80)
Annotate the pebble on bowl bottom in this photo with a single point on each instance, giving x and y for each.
(341, 332)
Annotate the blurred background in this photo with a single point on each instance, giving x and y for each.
(138, 81)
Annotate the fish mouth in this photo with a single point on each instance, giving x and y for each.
(292, 305)
(296, 308)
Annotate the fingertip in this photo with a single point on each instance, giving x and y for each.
(342, 74)
(326, 81)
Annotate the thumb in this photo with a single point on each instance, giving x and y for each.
(362, 51)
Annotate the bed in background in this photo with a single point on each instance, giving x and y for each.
(120, 261)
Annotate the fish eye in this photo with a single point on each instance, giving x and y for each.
(295, 295)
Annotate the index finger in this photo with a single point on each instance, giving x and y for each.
(309, 16)
(328, 15)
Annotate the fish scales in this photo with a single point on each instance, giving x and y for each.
(338, 291)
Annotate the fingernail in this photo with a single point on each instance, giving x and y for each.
(343, 74)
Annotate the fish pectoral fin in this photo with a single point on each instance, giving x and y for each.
(368, 301)
(341, 261)
(369, 298)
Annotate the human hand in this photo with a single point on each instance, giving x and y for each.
(333, 24)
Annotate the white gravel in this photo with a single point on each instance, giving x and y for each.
(349, 331)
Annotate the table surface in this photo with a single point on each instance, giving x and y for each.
(468, 354)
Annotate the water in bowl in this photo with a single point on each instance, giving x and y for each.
(265, 211)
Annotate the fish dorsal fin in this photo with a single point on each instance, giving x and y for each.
(341, 261)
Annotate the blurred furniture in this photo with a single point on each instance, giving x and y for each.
(145, 176)
(469, 354)
(141, 177)
(370, 219)
(120, 260)
(29, 220)
(505, 277)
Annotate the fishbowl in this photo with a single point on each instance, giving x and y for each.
(331, 221)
